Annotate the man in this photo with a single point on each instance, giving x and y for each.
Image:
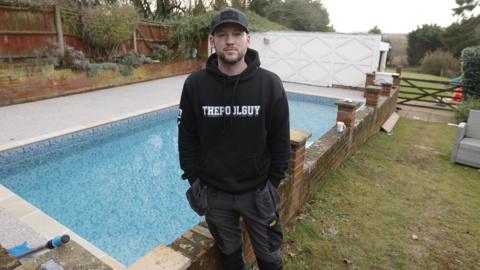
(234, 144)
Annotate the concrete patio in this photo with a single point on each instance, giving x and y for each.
(426, 114)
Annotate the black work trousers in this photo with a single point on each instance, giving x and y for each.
(259, 211)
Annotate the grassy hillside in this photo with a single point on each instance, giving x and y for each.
(258, 23)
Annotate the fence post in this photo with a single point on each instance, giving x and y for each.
(135, 38)
(396, 80)
(58, 25)
(398, 70)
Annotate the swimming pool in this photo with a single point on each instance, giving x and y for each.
(314, 114)
(118, 185)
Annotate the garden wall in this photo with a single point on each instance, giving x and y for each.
(308, 170)
(29, 83)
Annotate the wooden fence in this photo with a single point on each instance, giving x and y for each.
(33, 32)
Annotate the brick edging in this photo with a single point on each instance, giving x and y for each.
(28, 84)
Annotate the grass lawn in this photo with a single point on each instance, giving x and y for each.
(416, 75)
(397, 203)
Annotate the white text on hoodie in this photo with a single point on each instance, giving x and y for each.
(245, 111)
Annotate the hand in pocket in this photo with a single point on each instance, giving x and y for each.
(197, 197)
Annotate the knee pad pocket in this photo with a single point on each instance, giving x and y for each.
(275, 236)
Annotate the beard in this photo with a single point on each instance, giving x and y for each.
(231, 60)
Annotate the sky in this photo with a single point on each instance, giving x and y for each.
(391, 16)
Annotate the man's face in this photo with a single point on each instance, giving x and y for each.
(230, 42)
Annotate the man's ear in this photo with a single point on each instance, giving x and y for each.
(212, 41)
(248, 40)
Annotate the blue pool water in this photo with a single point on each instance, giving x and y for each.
(312, 117)
(120, 188)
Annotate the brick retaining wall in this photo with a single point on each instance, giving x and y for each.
(22, 84)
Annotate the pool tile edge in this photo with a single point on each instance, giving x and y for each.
(93, 124)
(116, 265)
(325, 95)
(5, 193)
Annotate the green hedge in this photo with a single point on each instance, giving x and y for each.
(471, 71)
(462, 110)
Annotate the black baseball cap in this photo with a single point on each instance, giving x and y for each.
(229, 15)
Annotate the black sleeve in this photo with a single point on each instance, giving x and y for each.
(279, 139)
(188, 146)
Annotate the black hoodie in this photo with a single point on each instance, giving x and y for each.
(234, 130)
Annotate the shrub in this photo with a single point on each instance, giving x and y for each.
(189, 32)
(440, 63)
(471, 71)
(462, 110)
(133, 58)
(109, 66)
(74, 59)
(162, 52)
(107, 26)
(46, 55)
(126, 70)
(93, 69)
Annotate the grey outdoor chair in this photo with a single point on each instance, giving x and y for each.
(466, 149)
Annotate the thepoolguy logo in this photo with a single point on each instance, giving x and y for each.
(243, 111)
